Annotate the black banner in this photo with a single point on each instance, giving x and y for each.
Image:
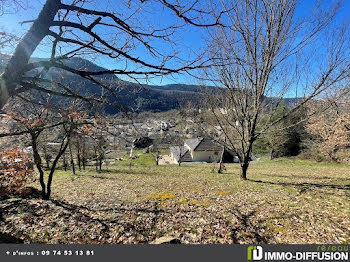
(14, 252)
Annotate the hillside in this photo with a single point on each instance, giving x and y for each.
(128, 94)
(286, 201)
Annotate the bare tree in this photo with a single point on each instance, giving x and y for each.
(181, 149)
(268, 52)
(71, 157)
(155, 150)
(68, 128)
(74, 29)
(78, 147)
(7, 38)
(330, 128)
(33, 121)
(221, 164)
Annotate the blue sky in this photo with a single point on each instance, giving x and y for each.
(189, 38)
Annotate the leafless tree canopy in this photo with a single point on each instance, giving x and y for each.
(266, 50)
(82, 28)
(9, 6)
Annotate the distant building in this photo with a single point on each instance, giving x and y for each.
(201, 150)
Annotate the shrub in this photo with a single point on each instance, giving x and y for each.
(14, 170)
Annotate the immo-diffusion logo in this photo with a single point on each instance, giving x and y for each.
(255, 253)
(334, 254)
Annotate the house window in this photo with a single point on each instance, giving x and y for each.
(216, 153)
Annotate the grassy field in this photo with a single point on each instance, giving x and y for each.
(284, 201)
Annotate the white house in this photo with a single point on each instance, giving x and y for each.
(203, 150)
(197, 150)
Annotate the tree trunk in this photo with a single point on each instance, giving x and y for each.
(48, 194)
(244, 168)
(47, 164)
(100, 162)
(84, 154)
(38, 162)
(157, 158)
(71, 158)
(46, 189)
(79, 162)
(271, 154)
(96, 160)
(78, 156)
(64, 163)
(53, 169)
(245, 159)
(49, 182)
(333, 153)
(84, 162)
(220, 163)
(17, 66)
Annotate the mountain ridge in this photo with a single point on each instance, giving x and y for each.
(130, 95)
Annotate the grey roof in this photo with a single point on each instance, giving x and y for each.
(181, 151)
(203, 144)
(193, 142)
(200, 144)
(207, 144)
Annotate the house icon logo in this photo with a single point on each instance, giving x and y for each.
(255, 253)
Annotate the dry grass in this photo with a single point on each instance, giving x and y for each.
(284, 201)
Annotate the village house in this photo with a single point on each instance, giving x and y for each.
(201, 150)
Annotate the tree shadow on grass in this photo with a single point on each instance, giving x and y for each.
(8, 239)
(305, 177)
(117, 177)
(304, 185)
(149, 223)
(77, 208)
(106, 171)
(246, 227)
(27, 193)
(257, 232)
(116, 173)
